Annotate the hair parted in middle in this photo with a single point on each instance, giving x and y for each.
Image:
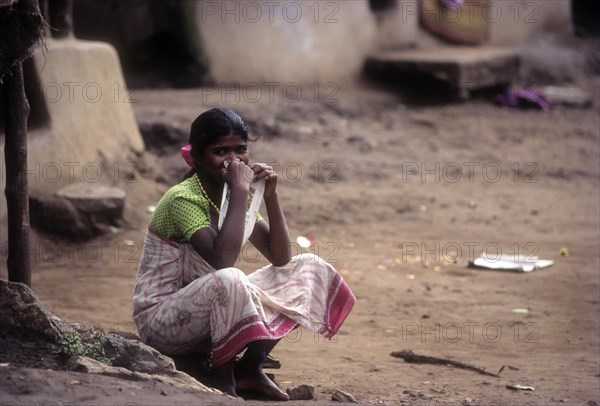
(213, 124)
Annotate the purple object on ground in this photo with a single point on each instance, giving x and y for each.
(526, 98)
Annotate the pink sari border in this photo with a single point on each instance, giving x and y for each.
(240, 337)
(340, 304)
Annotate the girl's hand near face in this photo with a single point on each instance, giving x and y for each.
(264, 171)
(238, 175)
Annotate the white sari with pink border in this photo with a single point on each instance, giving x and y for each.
(181, 302)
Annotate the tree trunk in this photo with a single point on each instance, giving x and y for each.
(17, 195)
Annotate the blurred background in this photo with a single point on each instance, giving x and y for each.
(185, 43)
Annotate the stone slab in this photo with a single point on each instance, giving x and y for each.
(93, 198)
(463, 68)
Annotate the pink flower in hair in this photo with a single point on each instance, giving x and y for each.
(186, 153)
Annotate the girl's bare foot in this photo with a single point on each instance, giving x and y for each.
(259, 383)
(249, 375)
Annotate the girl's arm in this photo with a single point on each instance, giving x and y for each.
(273, 239)
(221, 249)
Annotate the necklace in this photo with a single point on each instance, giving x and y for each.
(206, 195)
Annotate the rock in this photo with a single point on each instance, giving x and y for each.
(124, 349)
(301, 392)
(78, 212)
(92, 366)
(571, 96)
(177, 379)
(412, 394)
(163, 138)
(58, 216)
(363, 144)
(137, 356)
(21, 312)
(94, 198)
(341, 396)
(21, 309)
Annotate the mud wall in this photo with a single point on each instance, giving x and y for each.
(89, 132)
(296, 41)
(301, 41)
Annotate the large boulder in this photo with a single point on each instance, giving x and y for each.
(21, 310)
(23, 316)
(79, 211)
(136, 356)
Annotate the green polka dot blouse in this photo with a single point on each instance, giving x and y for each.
(181, 212)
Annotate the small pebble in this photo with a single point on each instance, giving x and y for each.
(301, 392)
(341, 396)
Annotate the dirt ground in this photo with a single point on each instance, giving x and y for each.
(399, 197)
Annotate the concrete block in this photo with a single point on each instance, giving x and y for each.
(463, 68)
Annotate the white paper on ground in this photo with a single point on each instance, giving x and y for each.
(257, 189)
(520, 263)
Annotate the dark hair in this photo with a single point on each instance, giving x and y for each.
(209, 126)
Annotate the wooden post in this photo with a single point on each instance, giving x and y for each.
(17, 194)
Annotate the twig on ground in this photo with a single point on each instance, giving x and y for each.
(413, 358)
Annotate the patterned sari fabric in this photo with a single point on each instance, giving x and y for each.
(181, 302)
